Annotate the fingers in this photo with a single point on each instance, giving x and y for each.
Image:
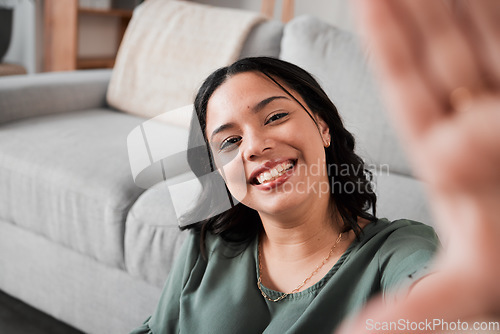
(428, 53)
(448, 54)
(393, 49)
(484, 18)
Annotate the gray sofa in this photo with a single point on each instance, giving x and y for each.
(80, 241)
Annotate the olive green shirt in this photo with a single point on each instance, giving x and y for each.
(220, 295)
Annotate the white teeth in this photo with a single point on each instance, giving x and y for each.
(274, 172)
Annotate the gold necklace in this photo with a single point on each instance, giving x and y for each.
(284, 295)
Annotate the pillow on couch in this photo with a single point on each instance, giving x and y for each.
(334, 57)
(171, 46)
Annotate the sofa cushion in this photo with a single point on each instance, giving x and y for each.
(152, 234)
(401, 196)
(334, 57)
(263, 40)
(67, 176)
(157, 149)
(169, 48)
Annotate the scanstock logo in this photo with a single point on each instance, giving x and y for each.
(158, 151)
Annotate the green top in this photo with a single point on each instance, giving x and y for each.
(221, 295)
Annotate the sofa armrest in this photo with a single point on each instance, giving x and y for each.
(50, 93)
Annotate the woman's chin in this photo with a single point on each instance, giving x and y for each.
(277, 205)
(286, 197)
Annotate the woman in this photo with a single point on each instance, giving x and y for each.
(300, 252)
(438, 67)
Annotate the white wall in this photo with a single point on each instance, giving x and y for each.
(97, 35)
(335, 12)
(105, 28)
(24, 46)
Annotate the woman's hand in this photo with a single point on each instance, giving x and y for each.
(438, 63)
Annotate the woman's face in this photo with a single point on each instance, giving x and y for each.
(265, 145)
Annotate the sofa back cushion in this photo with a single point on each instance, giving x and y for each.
(170, 47)
(335, 59)
(263, 40)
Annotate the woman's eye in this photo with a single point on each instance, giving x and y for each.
(229, 143)
(276, 117)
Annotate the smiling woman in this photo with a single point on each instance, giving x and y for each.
(293, 254)
(264, 113)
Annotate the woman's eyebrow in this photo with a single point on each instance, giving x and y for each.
(259, 106)
(220, 129)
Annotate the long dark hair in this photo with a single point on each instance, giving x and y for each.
(240, 223)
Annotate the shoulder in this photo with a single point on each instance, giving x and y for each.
(400, 240)
(405, 253)
(408, 234)
(405, 243)
(401, 230)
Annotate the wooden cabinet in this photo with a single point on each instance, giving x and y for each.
(61, 35)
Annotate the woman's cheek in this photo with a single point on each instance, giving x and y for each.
(233, 173)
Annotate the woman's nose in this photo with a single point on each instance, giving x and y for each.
(255, 145)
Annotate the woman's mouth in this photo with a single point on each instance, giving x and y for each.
(274, 172)
(271, 174)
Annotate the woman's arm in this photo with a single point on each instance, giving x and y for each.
(437, 63)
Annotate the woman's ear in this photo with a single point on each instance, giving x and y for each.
(324, 131)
